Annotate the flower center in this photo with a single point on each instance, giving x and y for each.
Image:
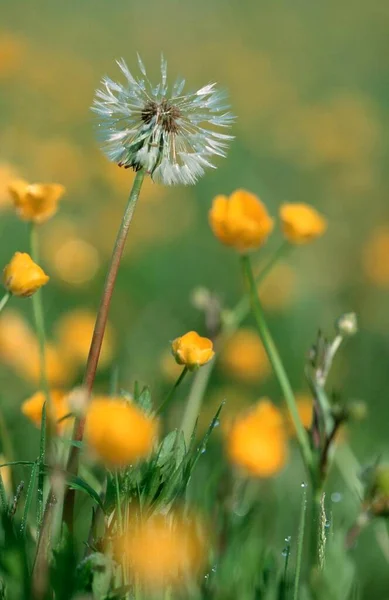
(164, 113)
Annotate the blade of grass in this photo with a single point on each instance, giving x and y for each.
(3, 495)
(300, 541)
(41, 469)
(28, 501)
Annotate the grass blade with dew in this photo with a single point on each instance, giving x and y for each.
(41, 469)
(28, 501)
(300, 541)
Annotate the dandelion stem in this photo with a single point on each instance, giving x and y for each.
(170, 395)
(99, 330)
(276, 363)
(4, 300)
(194, 402)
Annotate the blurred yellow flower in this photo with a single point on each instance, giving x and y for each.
(192, 350)
(59, 370)
(74, 332)
(12, 50)
(276, 291)
(118, 433)
(6, 475)
(35, 202)
(301, 223)
(22, 276)
(240, 220)
(32, 408)
(305, 410)
(257, 441)
(244, 357)
(375, 257)
(164, 550)
(7, 174)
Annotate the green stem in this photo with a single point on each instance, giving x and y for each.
(300, 543)
(4, 300)
(118, 503)
(195, 400)
(99, 329)
(170, 395)
(277, 364)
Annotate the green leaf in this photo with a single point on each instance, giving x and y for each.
(27, 504)
(77, 483)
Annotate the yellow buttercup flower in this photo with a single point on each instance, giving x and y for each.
(301, 223)
(59, 408)
(22, 276)
(240, 220)
(164, 550)
(244, 357)
(119, 433)
(257, 440)
(35, 202)
(192, 350)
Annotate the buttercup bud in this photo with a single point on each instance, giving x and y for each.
(23, 277)
(192, 350)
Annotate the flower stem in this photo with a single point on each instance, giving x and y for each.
(170, 395)
(99, 329)
(4, 300)
(195, 399)
(277, 364)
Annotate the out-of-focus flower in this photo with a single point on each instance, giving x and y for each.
(6, 475)
(164, 550)
(240, 220)
(76, 261)
(59, 408)
(12, 50)
(244, 357)
(22, 276)
(305, 410)
(257, 441)
(59, 370)
(375, 257)
(7, 174)
(35, 202)
(173, 136)
(347, 324)
(301, 223)
(118, 433)
(74, 334)
(277, 290)
(192, 350)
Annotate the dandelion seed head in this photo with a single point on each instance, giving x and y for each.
(173, 136)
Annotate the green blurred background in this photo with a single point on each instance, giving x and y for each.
(308, 82)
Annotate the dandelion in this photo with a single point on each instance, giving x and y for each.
(36, 202)
(240, 220)
(164, 550)
(22, 276)
(173, 136)
(257, 440)
(118, 432)
(59, 408)
(192, 350)
(301, 223)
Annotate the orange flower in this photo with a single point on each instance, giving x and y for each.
(74, 332)
(117, 432)
(245, 358)
(35, 202)
(192, 350)
(375, 257)
(257, 442)
(301, 223)
(59, 408)
(240, 221)
(164, 550)
(23, 277)
(305, 410)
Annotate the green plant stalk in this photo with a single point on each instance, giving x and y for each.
(4, 300)
(193, 405)
(277, 365)
(170, 395)
(28, 501)
(118, 503)
(3, 496)
(300, 543)
(41, 467)
(99, 330)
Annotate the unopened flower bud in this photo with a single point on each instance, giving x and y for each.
(347, 325)
(192, 350)
(22, 276)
